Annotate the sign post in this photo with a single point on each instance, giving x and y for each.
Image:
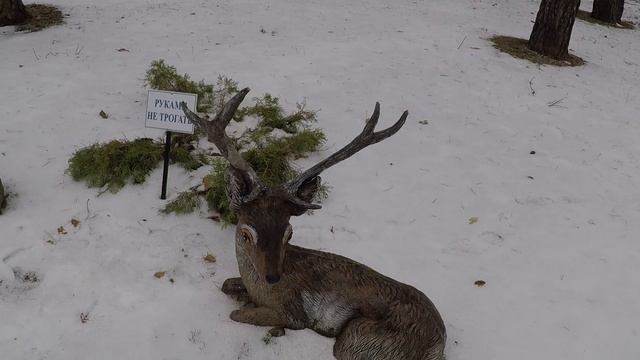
(165, 169)
(164, 112)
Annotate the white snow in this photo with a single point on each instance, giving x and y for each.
(559, 252)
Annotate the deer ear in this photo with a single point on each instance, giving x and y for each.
(307, 191)
(237, 187)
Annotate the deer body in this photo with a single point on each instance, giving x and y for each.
(372, 317)
(338, 297)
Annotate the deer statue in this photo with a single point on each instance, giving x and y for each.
(371, 316)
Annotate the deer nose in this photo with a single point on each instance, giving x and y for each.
(272, 279)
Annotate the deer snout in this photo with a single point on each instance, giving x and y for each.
(272, 279)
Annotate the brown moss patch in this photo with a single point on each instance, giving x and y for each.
(586, 16)
(41, 16)
(519, 48)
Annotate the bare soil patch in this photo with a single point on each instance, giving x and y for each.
(519, 48)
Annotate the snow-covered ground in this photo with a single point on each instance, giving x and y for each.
(558, 233)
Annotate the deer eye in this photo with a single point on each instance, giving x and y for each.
(247, 235)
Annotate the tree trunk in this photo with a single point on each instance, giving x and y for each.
(609, 11)
(3, 197)
(552, 30)
(12, 12)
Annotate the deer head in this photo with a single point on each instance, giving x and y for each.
(263, 228)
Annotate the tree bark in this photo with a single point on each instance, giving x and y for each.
(609, 11)
(552, 30)
(12, 12)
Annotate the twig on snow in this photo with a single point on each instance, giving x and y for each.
(462, 42)
(533, 92)
(555, 103)
(89, 216)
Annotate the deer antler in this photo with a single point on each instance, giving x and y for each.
(365, 138)
(216, 134)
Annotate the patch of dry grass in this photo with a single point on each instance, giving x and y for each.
(518, 48)
(41, 16)
(586, 16)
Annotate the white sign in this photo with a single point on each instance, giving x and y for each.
(164, 111)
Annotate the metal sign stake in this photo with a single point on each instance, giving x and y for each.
(165, 170)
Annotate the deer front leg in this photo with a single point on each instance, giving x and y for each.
(260, 316)
(233, 286)
(236, 290)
